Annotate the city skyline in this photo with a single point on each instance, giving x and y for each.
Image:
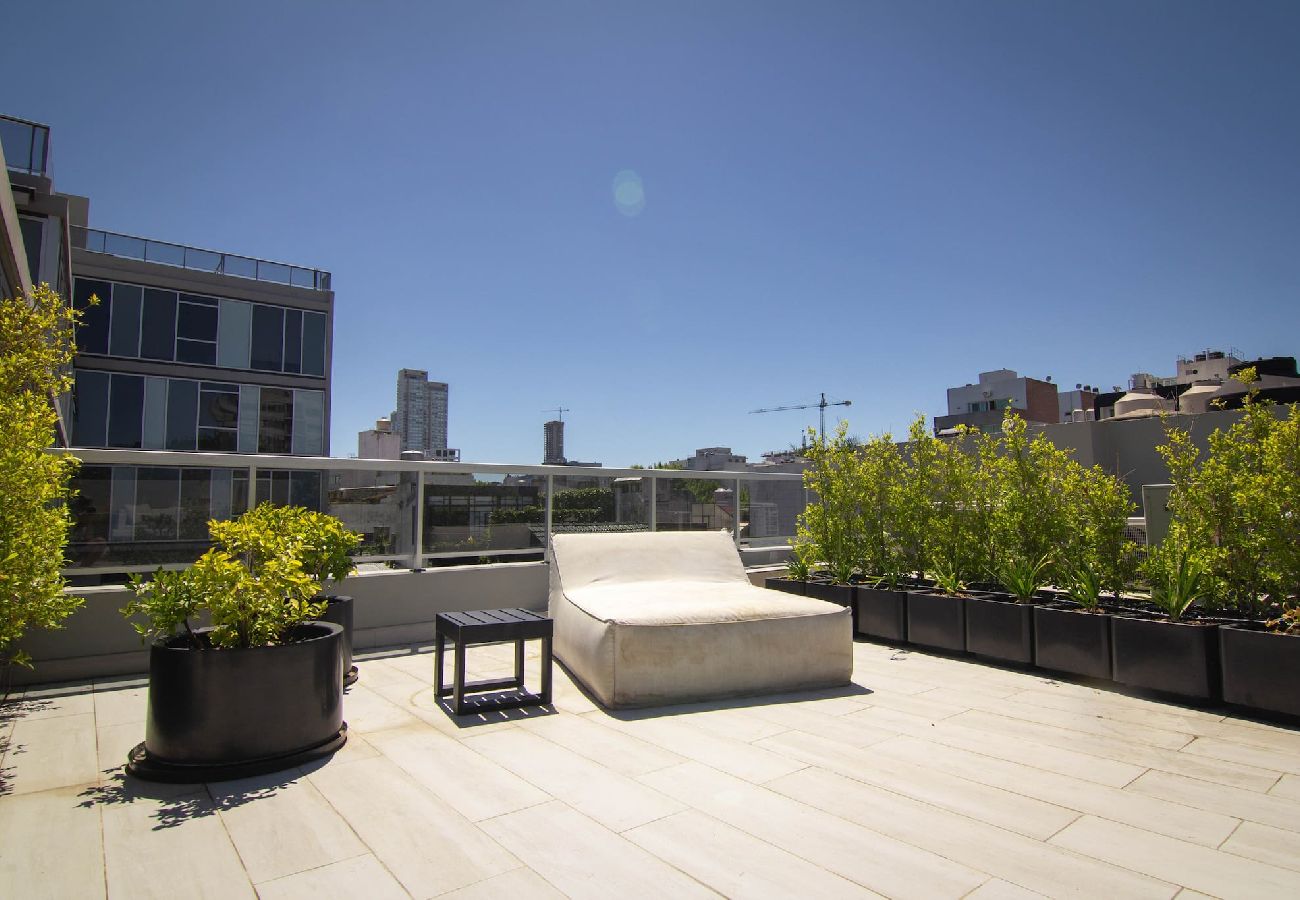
(669, 216)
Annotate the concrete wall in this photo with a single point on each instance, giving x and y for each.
(392, 607)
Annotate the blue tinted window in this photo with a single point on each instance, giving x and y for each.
(90, 409)
(202, 352)
(313, 343)
(268, 338)
(125, 411)
(158, 325)
(157, 502)
(196, 318)
(275, 431)
(293, 340)
(124, 334)
(182, 413)
(92, 335)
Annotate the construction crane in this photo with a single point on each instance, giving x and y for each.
(820, 406)
(559, 411)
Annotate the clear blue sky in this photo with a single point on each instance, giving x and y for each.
(876, 200)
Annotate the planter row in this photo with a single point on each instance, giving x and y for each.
(1206, 662)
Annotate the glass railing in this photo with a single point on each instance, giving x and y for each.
(26, 145)
(183, 257)
(136, 510)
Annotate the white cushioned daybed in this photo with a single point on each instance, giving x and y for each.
(654, 618)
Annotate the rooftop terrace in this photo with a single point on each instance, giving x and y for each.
(927, 777)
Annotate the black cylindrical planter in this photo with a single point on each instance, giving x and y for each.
(339, 611)
(1000, 629)
(1174, 657)
(936, 620)
(218, 714)
(882, 613)
(788, 585)
(1072, 640)
(1261, 669)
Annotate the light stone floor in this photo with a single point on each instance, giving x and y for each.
(929, 777)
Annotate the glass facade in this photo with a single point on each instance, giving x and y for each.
(138, 322)
(123, 411)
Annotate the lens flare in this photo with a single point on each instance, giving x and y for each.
(629, 193)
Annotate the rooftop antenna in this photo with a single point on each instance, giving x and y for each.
(821, 407)
(559, 410)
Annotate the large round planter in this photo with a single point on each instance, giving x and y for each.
(936, 620)
(1000, 629)
(786, 585)
(339, 611)
(1072, 640)
(1261, 669)
(219, 714)
(1173, 657)
(882, 614)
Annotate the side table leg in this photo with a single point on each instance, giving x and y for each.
(546, 671)
(439, 656)
(459, 696)
(519, 664)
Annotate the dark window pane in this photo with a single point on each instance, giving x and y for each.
(219, 406)
(196, 495)
(182, 414)
(238, 492)
(33, 231)
(157, 503)
(90, 409)
(218, 440)
(196, 318)
(125, 411)
(275, 431)
(90, 507)
(313, 343)
(158, 326)
(201, 352)
(268, 338)
(304, 489)
(124, 334)
(92, 335)
(292, 340)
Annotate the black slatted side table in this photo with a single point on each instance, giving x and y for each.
(490, 626)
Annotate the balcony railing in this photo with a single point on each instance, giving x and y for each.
(195, 258)
(137, 510)
(26, 145)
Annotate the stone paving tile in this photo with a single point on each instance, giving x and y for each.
(931, 776)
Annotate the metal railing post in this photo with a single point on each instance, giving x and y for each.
(550, 492)
(735, 524)
(652, 510)
(417, 561)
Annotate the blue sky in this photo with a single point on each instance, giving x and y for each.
(875, 200)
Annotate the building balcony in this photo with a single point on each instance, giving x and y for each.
(26, 145)
(125, 246)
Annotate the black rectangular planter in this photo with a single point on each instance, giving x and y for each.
(788, 585)
(936, 620)
(840, 594)
(1071, 640)
(1000, 629)
(1261, 669)
(1174, 657)
(882, 614)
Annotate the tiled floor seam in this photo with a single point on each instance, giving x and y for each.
(1227, 837)
(326, 865)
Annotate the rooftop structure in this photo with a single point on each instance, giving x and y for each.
(421, 415)
(983, 405)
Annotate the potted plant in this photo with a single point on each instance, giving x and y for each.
(1074, 634)
(881, 602)
(321, 543)
(1003, 629)
(257, 690)
(797, 569)
(1169, 654)
(830, 527)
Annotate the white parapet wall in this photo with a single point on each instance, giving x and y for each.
(392, 607)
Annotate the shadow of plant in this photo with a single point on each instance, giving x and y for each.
(176, 804)
(10, 712)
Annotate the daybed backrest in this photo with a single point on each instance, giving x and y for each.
(583, 560)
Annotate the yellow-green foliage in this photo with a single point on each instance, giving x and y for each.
(831, 529)
(36, 352)
(1236, 509)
